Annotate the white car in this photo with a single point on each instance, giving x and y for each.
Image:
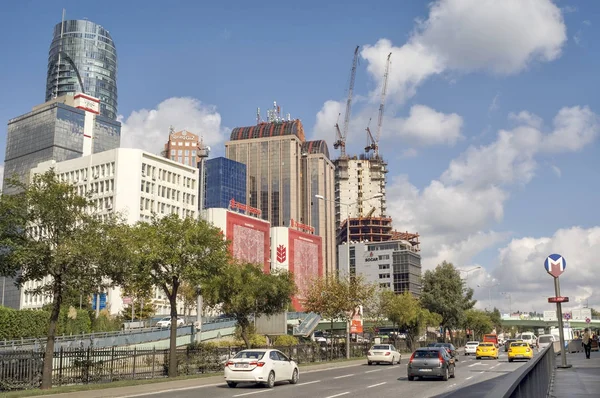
(544, 340)
(471, 347)
(166, 322)
(383, 353)
(260, 366)
(529, 338)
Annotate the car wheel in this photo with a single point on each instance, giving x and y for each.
(478, 358)
(510, 359)
(369, 363)
(271, 380)
(445, 376)
(411, 378)
(294, 379)
(231, 384)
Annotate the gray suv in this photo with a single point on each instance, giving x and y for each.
(431, 362)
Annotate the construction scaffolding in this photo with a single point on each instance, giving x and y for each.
(374, 229)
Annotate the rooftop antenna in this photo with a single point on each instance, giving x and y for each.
(62, 30)
(258, 119)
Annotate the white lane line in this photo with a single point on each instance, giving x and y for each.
(481, 373)
(170, 390)
(338, 395)
(251, 393)
(469, 378)
(341, 377)
(331, 368)
(378, 384)
(476, 363)
(309, 382)
(376, 370)
(495, 366)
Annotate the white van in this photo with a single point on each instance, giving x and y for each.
(545, 340)
(528, 337)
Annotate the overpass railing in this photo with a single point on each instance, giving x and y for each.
(531, 380)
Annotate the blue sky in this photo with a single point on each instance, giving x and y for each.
(462, 71)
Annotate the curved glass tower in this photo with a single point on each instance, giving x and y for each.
(83, 58)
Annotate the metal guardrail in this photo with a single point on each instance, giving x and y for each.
(531, 380)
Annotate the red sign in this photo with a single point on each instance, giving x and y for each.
(248, 209)
(587, 320)
(558, 299)
(281, 254)
(304, 227)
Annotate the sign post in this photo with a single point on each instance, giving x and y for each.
(555, 265)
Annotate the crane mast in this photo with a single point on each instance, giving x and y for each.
(373, 142)
(341, 135)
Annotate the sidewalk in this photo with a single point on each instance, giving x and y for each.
(582, 380)
(188, 384)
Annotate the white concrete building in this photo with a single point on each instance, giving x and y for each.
(134, 183)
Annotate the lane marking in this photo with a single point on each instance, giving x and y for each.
(332, 368)
(469, 378)
(252, 393)
(376, 370)
(476, 363)
(170, 390)
(378, 384)
(341, 377)
(338, 395)
(481, 373)
(495, 366)
(309, 382)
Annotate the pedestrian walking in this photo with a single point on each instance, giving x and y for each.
(586, 340)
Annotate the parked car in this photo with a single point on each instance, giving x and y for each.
(261, 366)
(431, 362)
(166, 322)
(519, 350)
(471, 347)
(383, 353)
(487, 350)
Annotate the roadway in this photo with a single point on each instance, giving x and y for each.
(361, 381)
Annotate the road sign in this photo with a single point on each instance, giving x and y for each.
(126, 300)
(587, 320)
(567, 316)
(102, 301)
(558, 299)
(555, 265)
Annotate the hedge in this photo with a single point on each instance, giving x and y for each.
(16, 324)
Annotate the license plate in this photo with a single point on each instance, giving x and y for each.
(241, 365)
(519, 356)
(376, 353)
(424, 370)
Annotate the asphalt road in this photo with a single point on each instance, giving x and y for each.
(360, 381)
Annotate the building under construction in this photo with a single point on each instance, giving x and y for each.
(374, 229)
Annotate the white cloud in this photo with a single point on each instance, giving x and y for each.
(499, 37)
(326, 119)
(149, 129)
(426, 126)
(469, 197)
(409, 153)
(494, 105)
(526, 118)
(521, 268)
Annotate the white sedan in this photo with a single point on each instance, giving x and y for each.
(471, 347)
(383, 353)
(166, 322)
(260, 366)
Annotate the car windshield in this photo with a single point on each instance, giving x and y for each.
(381, 347)
(166, 319)
(486, 345)
(546, 339)
(426, 354)
(249, 355)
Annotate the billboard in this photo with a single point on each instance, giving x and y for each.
(299, 253)
(249, 236)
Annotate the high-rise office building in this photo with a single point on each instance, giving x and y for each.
(224, 180)
(83, 59)
(55, 131)
(279, 165)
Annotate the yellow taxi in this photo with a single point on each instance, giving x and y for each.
(519, 350)
(487, 350)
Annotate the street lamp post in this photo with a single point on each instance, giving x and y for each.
(321, 197)
(509, 297)
(489, 287)
(467, 271)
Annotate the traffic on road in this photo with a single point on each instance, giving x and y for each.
(361, 380)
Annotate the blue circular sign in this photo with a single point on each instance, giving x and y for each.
(555, 265)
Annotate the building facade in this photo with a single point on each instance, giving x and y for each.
(182, 147)
(55, 131)
(224, 180)
(278, 169)
(299, 252)
(83, 59)
(394, 265)
(135, 183)
(249, 236)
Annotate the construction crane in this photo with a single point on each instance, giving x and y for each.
(341, 135)
(373, 142)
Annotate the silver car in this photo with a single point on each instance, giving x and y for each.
(431, 362)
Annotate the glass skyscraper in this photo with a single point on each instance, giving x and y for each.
(225, 180)
(83, 58)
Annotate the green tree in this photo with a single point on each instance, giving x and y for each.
(444, 293)
(48, 235)
(374, 310)
(478, 321)
(495, 319)
(169, 251)
(243, 289)
(189, 296)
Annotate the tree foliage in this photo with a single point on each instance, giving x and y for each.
(478, 321)
(444, 293)
(243, 289)
(170, 251)
(495, 319)
(49, 235)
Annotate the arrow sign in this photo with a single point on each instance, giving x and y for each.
(555, 265)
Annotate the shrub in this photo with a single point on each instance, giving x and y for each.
(285, 339)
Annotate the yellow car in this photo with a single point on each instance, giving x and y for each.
(488, 350)
(519, 350)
